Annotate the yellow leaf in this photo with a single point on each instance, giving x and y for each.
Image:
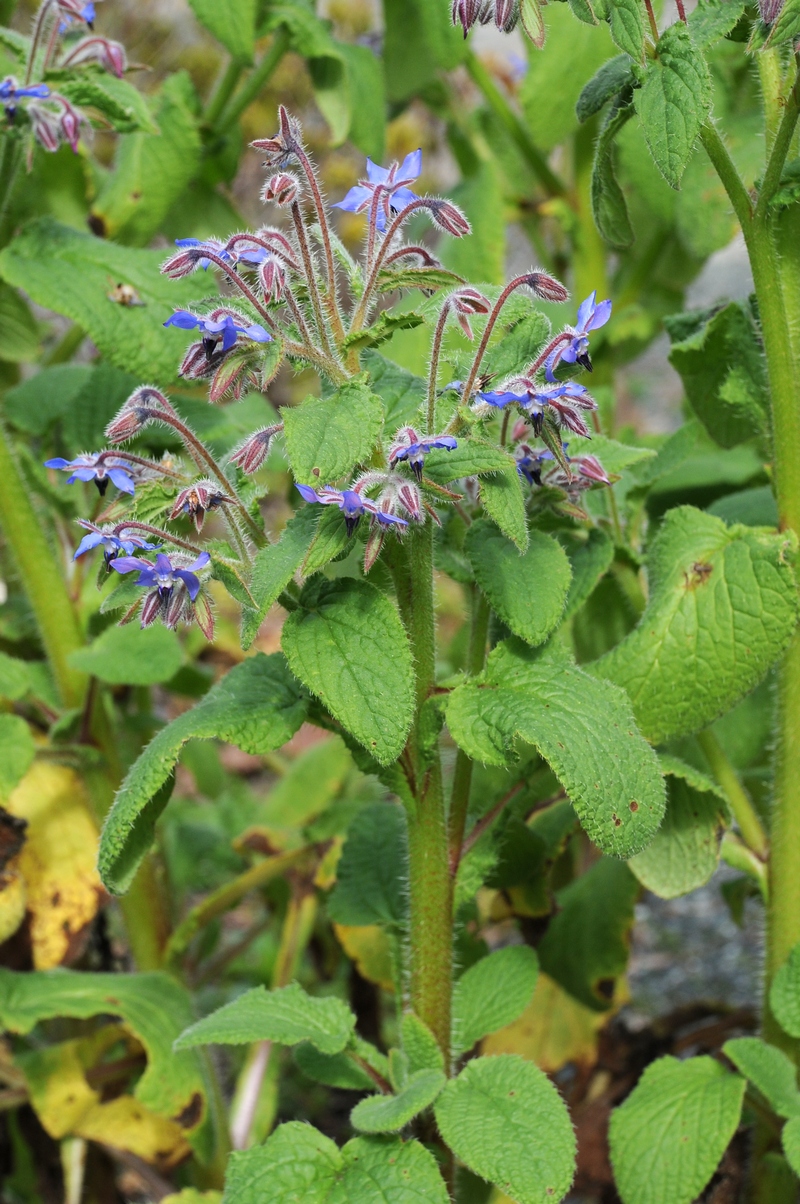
(370, 948)
(69, 1106)
(191, 1195)
(553, 1029)
(12, 899)
(57, 861)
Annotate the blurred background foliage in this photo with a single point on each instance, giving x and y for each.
(496, 120)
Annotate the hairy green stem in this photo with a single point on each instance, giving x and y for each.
(462, 775)
(42, 577)
(430, 883)
(223, 91)
(254, 83)
(741, 804)
(515, 126)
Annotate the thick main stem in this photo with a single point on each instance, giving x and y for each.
(430, 883)
(462, 776)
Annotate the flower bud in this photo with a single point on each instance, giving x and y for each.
(70, 123)
(177, 607)
(183, 263)
(151, 607)
(128, 422)
(46, 126)
(590, 467)
(372, 548)
(279, 150)
(465, 13)
(467, 301)
(196, 501)
(546, 287)
(254, 451)
(410, 498)
(204, 616)
(196, 364)
(283, 189)
(272, 278)
(770, 10)
(235, 371)
(110, 55)
(448, 217)
(506, 13)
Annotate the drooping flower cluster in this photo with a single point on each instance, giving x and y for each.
(51, 117)
(285, 301)
(504, 13)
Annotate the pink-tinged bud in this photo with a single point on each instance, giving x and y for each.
(235, 371)
(128, 422)
(46, 126)
(151, 608)
(410, 498)
(178, 606)
(770, 10)
(372, 549)
(448, 217)
(506, 13)
(195, 364)
(465, 13)
(520, 430)
(110, 55)
(465, 302)
(546, 287)
(280, 149)
(70, 124)
(186, 261)
(590, 467)
(204, 616)
(254, 451)
(272, 278)
(282, 189)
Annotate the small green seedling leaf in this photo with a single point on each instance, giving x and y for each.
(391, 1113)
(287, 1016)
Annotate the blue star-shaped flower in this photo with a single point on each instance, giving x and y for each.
(413, 448)
(393, 181)
(352, 506)
(226, 329)
(163, 575)
(100, 467)
(113, 541)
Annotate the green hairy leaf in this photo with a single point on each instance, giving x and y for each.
(492, 994)
(587, 735)
(669, 1135)
(787, 25)
(626, 19)
(471, 458)
(73, 274)
(419, 1045)
(585, 948)
(17, 750)
(275, 566)
(287, 1016)
(391, 1113)
(257, 706)
(613, 77)
(685, 851)
(326, 436)
(19, 334)
(382, 329)
(769, 1070)
(347, 645)
(153, 1006)
(528, 592)
(299, 1163)
(401, 391)
(723, 606)
(784, 995)
(609, 207)
(503, 500)
(372, 872)
(151, 170)
(674, 101)
(114, 99)
(131, 655)
(723, 371)
(334, 1070)
(231, 22)
(713, 19)
(504, 1119)
(589, 560)
(790, 1140)
(517, 348)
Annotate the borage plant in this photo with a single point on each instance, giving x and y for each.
(488, 479)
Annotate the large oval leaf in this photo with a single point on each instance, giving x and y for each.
(587, 735)
(347, 644)
(504, 1119)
